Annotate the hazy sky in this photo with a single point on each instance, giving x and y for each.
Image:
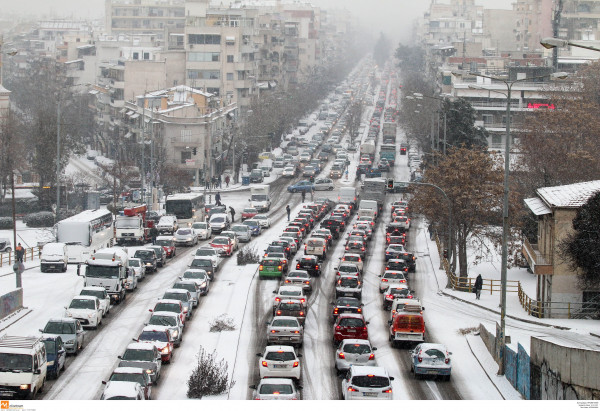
(394, 17)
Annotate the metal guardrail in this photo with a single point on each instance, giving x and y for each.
(8, 259)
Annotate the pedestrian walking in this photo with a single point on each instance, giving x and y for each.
(153, 234)
(478, 286)
(232, 211)
(207, 183)
(430, 231)
(227, 181)
(19, 252)
(219, 182)
(303, 195)
(218, 199)
(288, 210)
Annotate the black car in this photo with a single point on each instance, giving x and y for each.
(397, 264)
(278, 249)
(148, 257)
(410, 259)
(334, 226)
(309, 263)
(356, 247)
(346, 305)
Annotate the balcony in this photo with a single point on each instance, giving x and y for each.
(539, 264)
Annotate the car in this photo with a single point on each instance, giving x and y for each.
(86, 309)
(290, 292)
(294, 234)
(309, 171)
(249, 212)
(348, 286)
(123, 390)
(354, 352)
(215, 209)
(167, 224)
(254, 226)
(291, 242)
(366, 227)
(394, 251)
(102, 295)
(222, 244)
(148, 257)
(279, 246)
(275, 389)
(205, 264)
(161, 337)
(270, 268)
(161, 255)
(132, 374)
(346, 305)
(300, 278)
(279, 361)
(137, 266)
(348, 325)
(291, 308)
(170, 320)
(263, 219)
(202, 230)
(348, 269)
(219, 222)
(56, 355)
(302, 225)
(69, 330)
(305, 157)
(289, 171)
(309, 263)
(256, 176)
(323, 184)
(353, 259)
(336, 171)
(144, 356)
(304, 185)
(234, 238)
(173, 306)
(185, 236)
(316, 246)
(431, 359)
(211, 254)
(191, 286)
(285, 330)
(182, 295)
(242, 232)
(392, 277)
(397, 264)
(168, 244)
(367, 382)
(283, 260)
(394, 293)
(200, 277)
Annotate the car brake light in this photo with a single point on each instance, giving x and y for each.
(372, 356)
(389, 296)
(362, 249)
(277, 299)
(260, 268)
(264, 364)
(301, 312)
(352, 389)
(389, 391)
(336, 310)
(447, 360)
(295, 332)
(278, 312)
(317, 267)
(274, 331)
(279, 268)
(341, 355)
(384, 280)
(337, 327)
(307, 282)
(297, 266)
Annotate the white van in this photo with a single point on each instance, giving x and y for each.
(54, 257)
(316, 247)
(24, 366)
(348, 195)
(370, 205)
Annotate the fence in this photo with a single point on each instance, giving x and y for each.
(8, 259)
(539, 309)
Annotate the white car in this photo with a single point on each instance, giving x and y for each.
(347, 269)
(354, 259)
(275, 389)
(86, 309)
(242, 232)
(202, 230)
(200, 277)
(391, 277)
(364, 382)
(263, 219)
(211, 253)
(352, 352)
(324, 183)
(123, 390)
(279, 361)
(285, 330)
(185, 236)
(289, 292)
(288, 171)
(138, 267)
(101, 294)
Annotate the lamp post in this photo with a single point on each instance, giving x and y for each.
(505, 227)
(551, 42)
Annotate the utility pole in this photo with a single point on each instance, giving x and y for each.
(57, 159)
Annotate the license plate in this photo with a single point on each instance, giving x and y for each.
(369, 394)
(279, 366)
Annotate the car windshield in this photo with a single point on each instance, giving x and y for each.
(349, 302)
(144, 254)
(435, 353)
(293, 293)
(154, 336)
(290, 306)
(134, 263)
(55, 327)
(394, 276)
(239, 228)
(83, 304)
(50, 346)
(170, 307)
(176, 296)
(352, 258)
(276, 389)
(271, 263)
(217, 220)
(351, 322)
(166, 243)
(280, 356)
(249, 211)
(185, 286)
(137, 377)
(163, 320)
(221, 241)
(19, 362)
(186, 231)
(199, 226)
(297, 274)
(101, 294)
(397, 264)
(139, 355)
(194, 275)
(348, 268)
(399, 291)
(370, 381)
(201, 263)
(204, 252)
(284, 323)
(348, 282)
(357, 348)
(251, 223)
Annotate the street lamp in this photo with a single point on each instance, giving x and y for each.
(550, 43)
(505, 227)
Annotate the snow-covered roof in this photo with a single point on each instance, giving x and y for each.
(537, 206)
(568, 196)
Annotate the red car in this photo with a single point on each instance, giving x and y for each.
(223, 244)
(249, 212)
(161, 337)
(168, 244)
(349, 326)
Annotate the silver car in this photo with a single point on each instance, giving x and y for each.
(185, 236)
(200, 277)
(192, 287)
(354, 352)
(285, 330)
(182, 295)
(142, 355)
(69, 329)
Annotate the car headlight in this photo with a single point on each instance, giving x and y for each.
(175, 334)
(69, 314)
(165, 350)
(90, 315)
(50, 363)
(203, 285)
(70, 342)
(149, 371)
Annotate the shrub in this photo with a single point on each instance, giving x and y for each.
(248, 255)
(222, 323)
(40, 219)
(209, 376)
(6, 223)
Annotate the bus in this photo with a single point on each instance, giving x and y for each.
(187, 207)
(84, 233)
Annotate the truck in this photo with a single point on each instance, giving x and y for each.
(260, 197)
(107, 268)
(23, 367)
(374, 189)
(367, 148)
(388, 151)
(389, 132)
(132, 226)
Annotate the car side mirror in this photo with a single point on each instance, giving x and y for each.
(368, 322)
(120, 357)
(389, 322)
(391, 378)
(259, 354)
(422, 308)
(449, 353)
(104, 382)
(300, 355)
(41, 330)
(253, 387)
(37, 372)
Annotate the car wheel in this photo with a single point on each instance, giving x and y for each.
(331, 188)
(447, 377)
(64, 269)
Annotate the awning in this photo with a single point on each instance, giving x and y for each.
(129, 113)
(229, 38)
(537, 206)
(122, 110)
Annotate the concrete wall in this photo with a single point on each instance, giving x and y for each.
(563, 373)
(11, 302)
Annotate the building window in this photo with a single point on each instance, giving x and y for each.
(229, 76)
(213, 90)
(185, 155)
(136, 56)
(487, 118)
(204, 39)
(146, 56)
(204, 57)
(496, 140)
(230, 58)
(186, 136)
(204, 74)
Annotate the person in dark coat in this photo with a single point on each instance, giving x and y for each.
(303, 195)
(19, 252)
(288, 210)
(153, 234)
(478, 286)
(218, 199)
(232, 211)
